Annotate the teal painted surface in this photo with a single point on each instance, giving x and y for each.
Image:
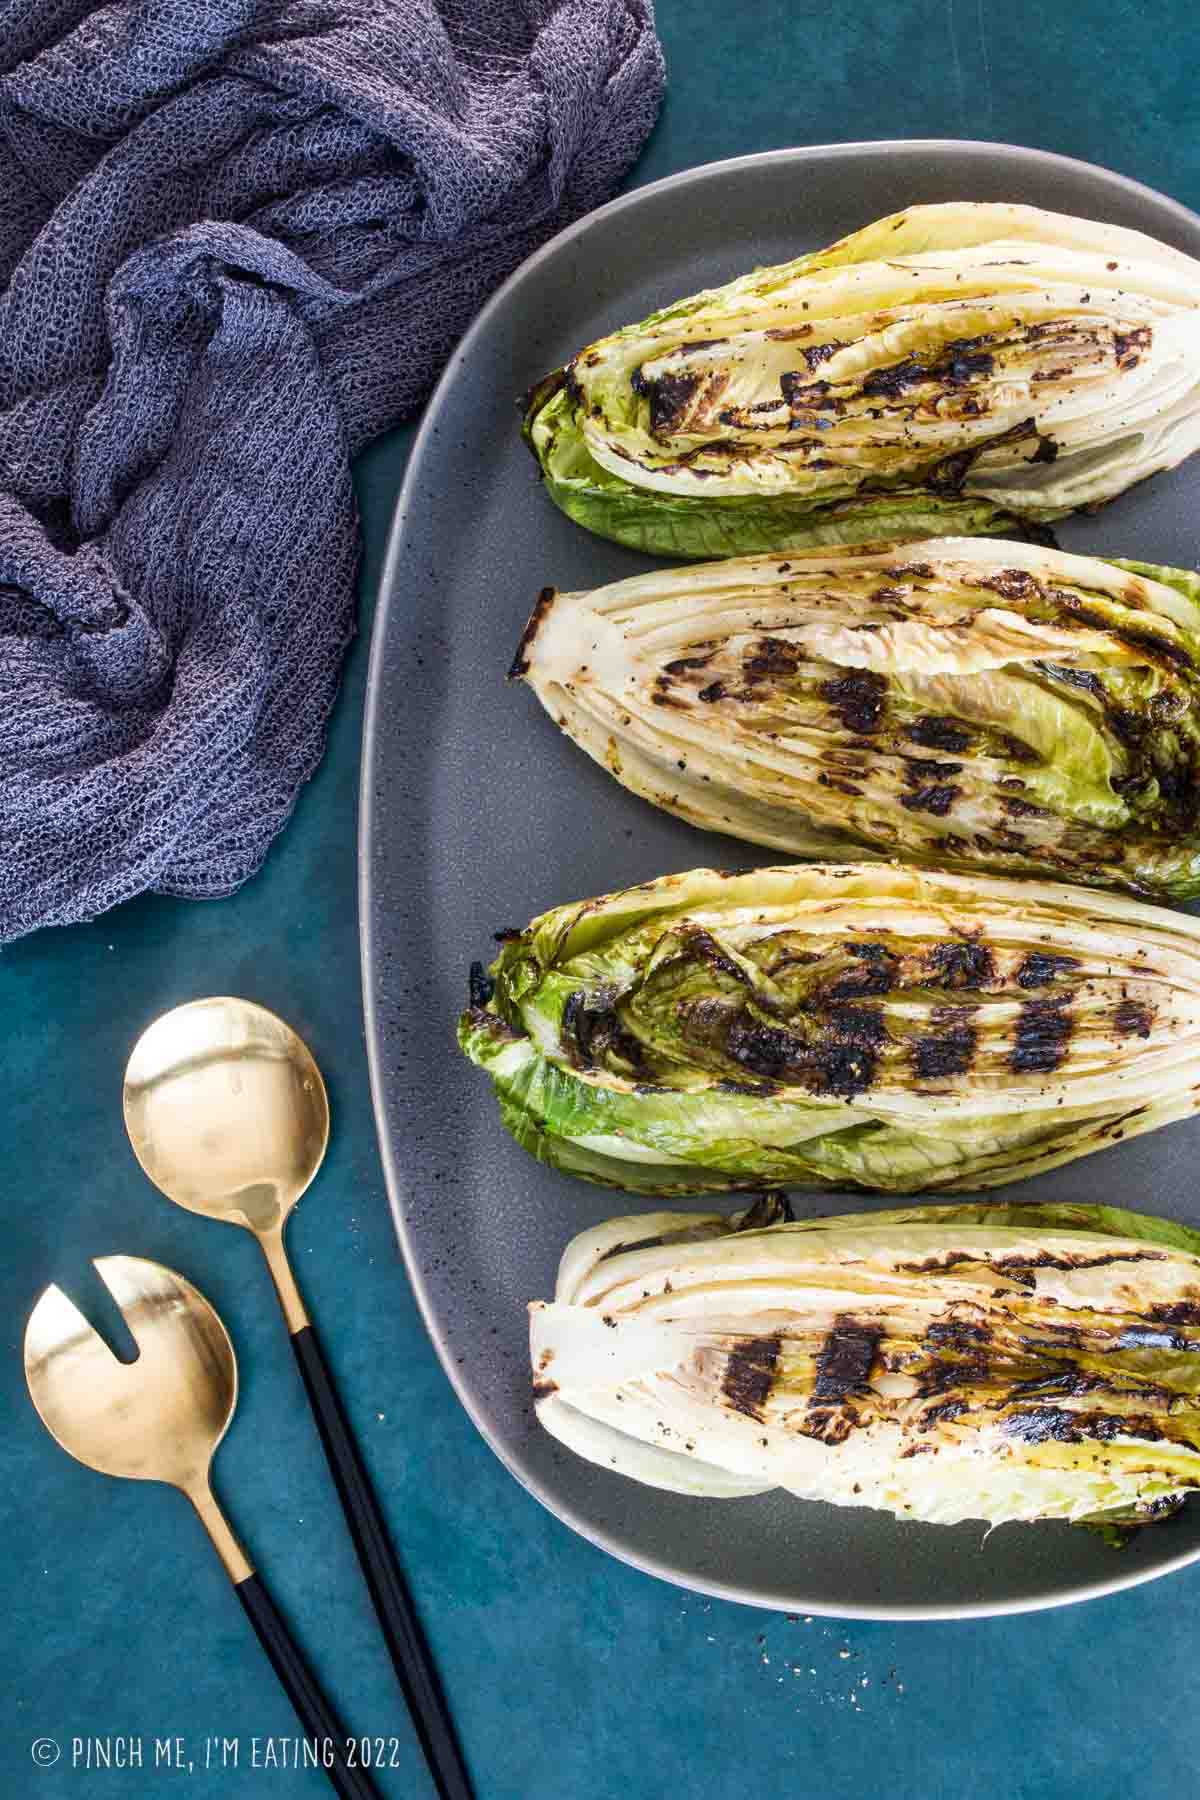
(573, 1677)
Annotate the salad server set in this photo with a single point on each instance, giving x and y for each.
(228, 1115)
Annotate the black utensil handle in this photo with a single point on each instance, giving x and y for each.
(314, 1712)
(397, 1615)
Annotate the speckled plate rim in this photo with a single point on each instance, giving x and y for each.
(775, 1600)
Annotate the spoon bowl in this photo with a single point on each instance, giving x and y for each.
(226, 1111)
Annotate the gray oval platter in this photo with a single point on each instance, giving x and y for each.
(477, 814)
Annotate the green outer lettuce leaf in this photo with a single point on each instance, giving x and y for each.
(681, 526)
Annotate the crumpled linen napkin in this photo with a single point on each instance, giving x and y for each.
(237, 240)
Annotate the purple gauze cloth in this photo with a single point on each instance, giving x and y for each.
(237, 240)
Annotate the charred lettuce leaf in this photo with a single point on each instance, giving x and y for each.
(942, 1363)
(950, 369)
(838, 1026)
(964, 702)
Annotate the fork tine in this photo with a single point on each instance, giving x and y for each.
(55, 1324)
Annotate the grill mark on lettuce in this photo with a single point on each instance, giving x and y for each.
(750, 1373)
(592, 1033)
(841, 1058)
(961, 965)
(1133, 1018)
(1153, 1337)
(858, 700)
(877, 971)
(1174, 1312)
(1144, 639)
(1042, 1037)
(671, 397)
(843, 1375)
(1042, 970)
(950, 1050)
(947, 475)
(934, 733)
(844, 1361)
(1046, 1424)
(1128, 344)
(934, 799)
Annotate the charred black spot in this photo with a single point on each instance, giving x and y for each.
(816, 354)
(960, 964)
(934, 799)
(1175, 1312)
(933, 733)
(951, 1048)
(1042, 1037)
(480, 985)
(948, 475)
(1043, 1424)
(962, 370)
(702, 943)
(749, 1373)
(1133, 1018)
(1039, 970)
(1023, 809)
(670, 397)
(682, 664)
(508, 934)
(1014, 584)
(1155, 646)
(844, 1362)
(877, 972)
(857, 698)
(592, 1033)
(843, 1069)
(1046, 452)
(761, 1090)
(541, 606)
(956, 1334)
(808, 396)
(1015, 749)
(918, 770)
(919, 571)
(1129, 344)
(772, 656)
(1047, 1259)
(962, 363)
(943, 1412)
(893, 382)
(543, 1389)
(714, 691)
(765, 1050)
(844, 1059)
